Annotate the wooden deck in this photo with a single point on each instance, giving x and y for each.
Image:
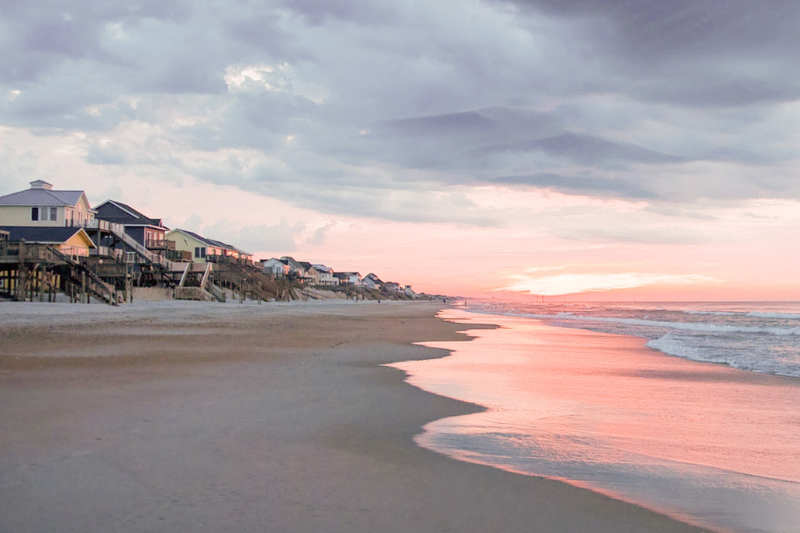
(38, 271)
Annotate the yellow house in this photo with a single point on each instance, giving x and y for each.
(41, 206)
(74, 242)
(197, 245)
(204, 249)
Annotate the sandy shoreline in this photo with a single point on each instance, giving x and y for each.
(271, 418)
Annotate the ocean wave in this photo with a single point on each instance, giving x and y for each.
(751, 314)
(679, 347)
(712, 313)
(685, 326)
(763, 314)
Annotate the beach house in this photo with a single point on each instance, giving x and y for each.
(371, 281)
(205, 250)
(311, 274)
(325, 275)
(149, 232)
(237, 253)
(348, 278)
(196, 246)
(42, 206)
(295, 268)
(391, 286)
(274, 267)
(69, 241)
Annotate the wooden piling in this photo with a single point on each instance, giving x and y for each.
(21, 274)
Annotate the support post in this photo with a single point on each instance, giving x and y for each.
(22, 274)
(40, 279)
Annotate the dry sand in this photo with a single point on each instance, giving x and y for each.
(226, 417)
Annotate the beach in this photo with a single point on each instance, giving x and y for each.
(228, 417)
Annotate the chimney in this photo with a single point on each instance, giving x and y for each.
(41, 184)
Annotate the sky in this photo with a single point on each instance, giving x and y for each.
(588, 149)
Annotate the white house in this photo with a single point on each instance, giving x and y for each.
(274, 267)
(42, 206)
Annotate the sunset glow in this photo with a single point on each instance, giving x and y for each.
(471, 148)
(579, 283)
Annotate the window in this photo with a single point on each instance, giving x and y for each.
(34, 213)
(199, 252)
(53, 214)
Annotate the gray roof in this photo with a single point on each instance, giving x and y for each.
(42, 234)
(212, 242)
(207, 242)
(131, 216)
(42, 197)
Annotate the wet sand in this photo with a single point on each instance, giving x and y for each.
(274, 418)
(708, 443)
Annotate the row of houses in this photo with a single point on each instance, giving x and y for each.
(323, 276)
(64, 220)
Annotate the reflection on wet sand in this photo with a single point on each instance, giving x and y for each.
(707, 443)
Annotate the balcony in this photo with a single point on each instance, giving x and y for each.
(160, 244)
(228, 260)
(101, 251)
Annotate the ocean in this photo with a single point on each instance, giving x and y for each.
(689, 409)
(758, 337)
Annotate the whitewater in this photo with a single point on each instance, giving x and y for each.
(753, 336)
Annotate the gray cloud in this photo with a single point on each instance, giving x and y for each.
(278, 238)
(602, 187)
(588, 150)
(387, 110)
(695, 53)
(632, 234)
(106, 155)
(318, 237)
(651, 29)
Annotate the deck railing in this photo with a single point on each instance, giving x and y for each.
(33, 252)
(228, 260)
(9, 249)
(160, 244)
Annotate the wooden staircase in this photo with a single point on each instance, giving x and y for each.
(86, 280)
